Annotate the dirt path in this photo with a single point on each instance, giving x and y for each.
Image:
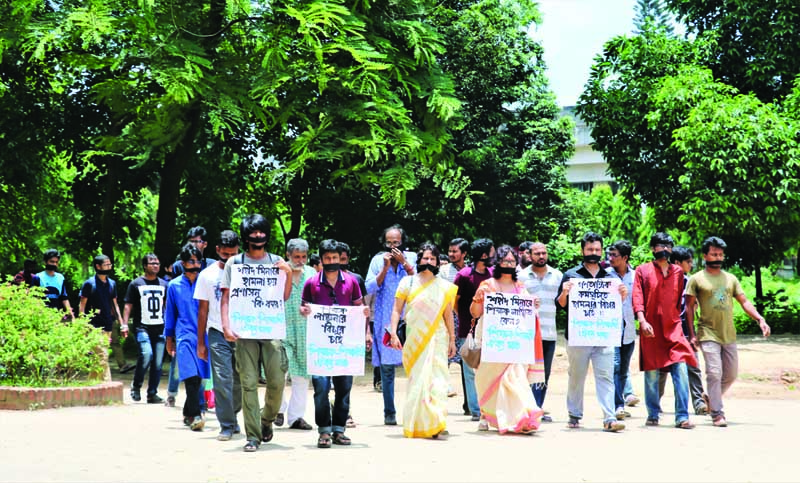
(138, 442)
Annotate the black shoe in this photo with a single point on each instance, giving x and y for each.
(279, 419)
(300, 424)
(135, 395)
(154, 399)
(127, 368)
(390, 420)
(266, 433)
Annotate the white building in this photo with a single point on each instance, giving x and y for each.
(586, 168)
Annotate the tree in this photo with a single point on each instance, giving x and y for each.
(652, 12)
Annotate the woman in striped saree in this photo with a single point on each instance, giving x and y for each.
(504, 390)
(430, 339)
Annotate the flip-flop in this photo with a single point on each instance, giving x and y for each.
(574, 423)
(685, 424)
(341, 439)
(651, 422)
(324, 441)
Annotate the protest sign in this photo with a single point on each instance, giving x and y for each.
(256, 301)
(509, 328)
(595, 312)
(335, 340)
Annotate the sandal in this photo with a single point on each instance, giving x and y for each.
(483, 425)
(685, 424)
(251, 446)
(324, 440)
(613, 426)
(651, 422)
(341, 439)
(350, 423)
(574, 423)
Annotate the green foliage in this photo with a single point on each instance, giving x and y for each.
(651, 12)
(38, 349)
(626, 217)
(781, 308)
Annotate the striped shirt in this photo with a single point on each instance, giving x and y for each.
(547, 290)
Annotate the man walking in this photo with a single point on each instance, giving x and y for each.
(657, 298)
(227, 387)
(602, 358)
(55, 290)
(543, 280)
(144, 304)
(100, 293)
(714, 290)
(254, 234)
(619, 255)
(456, 255)
(386, 270)
(180, 330)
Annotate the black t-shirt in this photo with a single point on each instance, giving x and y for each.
(147, 297)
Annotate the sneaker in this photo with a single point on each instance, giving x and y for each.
(476, 417)
(135, 395)
(279, 419)
(301, 424)
(127, 368)
(154, 399)
(547, 418)
(197, 423)
(225, 435)
(632, 400)
(390, 420)
(170, 402)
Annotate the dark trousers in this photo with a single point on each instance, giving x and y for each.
(191, 408)
(622, 362)
(540, 389)
(331, 420)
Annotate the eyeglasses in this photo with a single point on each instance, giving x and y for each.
(153, 263)
(660, 245)
(393, 243)
(192, 262)
(613, 255)
(508, 263)
(197, 240)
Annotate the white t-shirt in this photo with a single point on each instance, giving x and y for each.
(208, 288)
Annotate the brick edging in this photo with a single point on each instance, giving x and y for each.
(25, 398)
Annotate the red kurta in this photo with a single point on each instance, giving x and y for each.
(660, 299)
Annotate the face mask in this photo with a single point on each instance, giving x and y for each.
(506, 270)
(486, 261)
(716, 264)
(257, 242)
(344, 266)
(51, 268)
(400, 247)
(224, 260)
(427, 266)
(591, 259)
(191, 270)
(661, 254)
(105, 272)
(331, 267)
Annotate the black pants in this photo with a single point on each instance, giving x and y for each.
(191, 408)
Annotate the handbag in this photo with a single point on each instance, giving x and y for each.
(471, 352)
(401, 334)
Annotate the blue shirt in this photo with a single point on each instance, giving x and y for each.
(384, 303)
(54, 289)
(180, 322)
(99, 296)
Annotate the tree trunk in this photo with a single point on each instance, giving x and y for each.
(175, 164)
(759, 290)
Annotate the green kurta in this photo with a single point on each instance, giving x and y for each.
(295, 342)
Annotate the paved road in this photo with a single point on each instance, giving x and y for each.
(140, 442)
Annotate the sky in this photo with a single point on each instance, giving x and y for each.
(572, 33)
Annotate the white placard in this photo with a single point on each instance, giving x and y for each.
(256, 301)
(335, 340)
(509, 328)
(595, 312)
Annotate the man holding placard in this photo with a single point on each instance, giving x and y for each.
(254, 288)
(336, 341)
(657, 299)
(594, 301)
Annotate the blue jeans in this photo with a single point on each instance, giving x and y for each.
(540, 389)
(680, 381)
(335, 420)
(622, 362)
(173, 383)
(469, 387)
(602, 359)
(227, 388)
(387, 385)
(151, 342)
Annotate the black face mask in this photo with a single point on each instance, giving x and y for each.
(191, 270)
(506, 270)
(257, 242)
(427, 266)
(716, 264)
(51, 268)
(224, 260)
(344, 266)
(331, 267)
(400, 247)
(591, 258)
(487, 262)
(661, 254)
(105, 272)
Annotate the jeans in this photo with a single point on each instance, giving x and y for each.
(540, 390)
(722, 367)
(622, 362)
(680, 381)
(273, 361)
(387, 385)
(173, 383)
(336, 420)
(602, 359)
(227, 388)
(151, 342)
(695, 384)
(470, 391)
